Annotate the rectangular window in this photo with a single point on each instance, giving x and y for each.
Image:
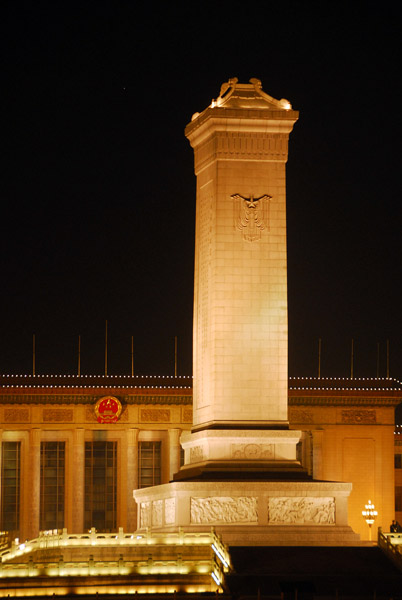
(398, 461)
(149, 460)
(101, 486)
(52, 469)
(398, 498)
(10, 486)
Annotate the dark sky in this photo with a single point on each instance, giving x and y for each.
(98, 190)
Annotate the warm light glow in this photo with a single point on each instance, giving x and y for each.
(369, 513)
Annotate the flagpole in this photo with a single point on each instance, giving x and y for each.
(351, 359)
(79, 356)
(33, 354)
(106, 348)
(132, 356)
(319, 358)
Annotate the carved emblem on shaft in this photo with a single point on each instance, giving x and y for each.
(251, 215)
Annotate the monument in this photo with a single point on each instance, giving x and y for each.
(241, 474)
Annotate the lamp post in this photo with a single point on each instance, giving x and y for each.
(370, 514)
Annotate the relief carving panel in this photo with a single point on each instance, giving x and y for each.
(358, 416)
(157, 513)
(187, 416)
(301, 511)
(223, 510)
(196, 454)
(170, 510)
(58, 415)
(16, 415)
(252, 451)
(155, 415)
(145, 514)
(297, 415)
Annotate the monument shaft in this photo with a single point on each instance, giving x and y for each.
(240, 301)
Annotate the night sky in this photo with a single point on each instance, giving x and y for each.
(98, 189)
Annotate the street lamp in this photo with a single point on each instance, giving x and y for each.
(370, 515)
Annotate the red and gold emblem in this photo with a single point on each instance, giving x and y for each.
(108, 410)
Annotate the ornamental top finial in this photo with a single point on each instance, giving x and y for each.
(247, 95)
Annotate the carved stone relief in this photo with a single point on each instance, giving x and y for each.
(196, 454)
(155, 415)
(58, 415)
(301, 511)
(187, 415)
(145, 514)
(358, 416)
(223, 510)
(16, 415)
(252, 451)
(157, 513)
(297, 415)
(251, 215)
(170, 510)
(242, 145)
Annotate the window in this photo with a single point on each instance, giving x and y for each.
(100, 486)
(52, 462)
(398, 461)
(10, 486)
(149, 459)
(398, 498)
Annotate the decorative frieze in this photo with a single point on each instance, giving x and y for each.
(58, 415)
(359, 416)
(300, 416)
(155, 415)
(223, 510)
(234, 145)
(16, 415)
(301, 511)
(252, 451)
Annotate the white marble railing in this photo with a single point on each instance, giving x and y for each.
(63, 539)
(391, 543)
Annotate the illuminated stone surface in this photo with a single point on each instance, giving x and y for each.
(241, 474)
(240, 300)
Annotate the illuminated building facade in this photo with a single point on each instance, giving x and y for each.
(62, 467)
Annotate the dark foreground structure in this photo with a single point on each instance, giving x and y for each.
(197, 566)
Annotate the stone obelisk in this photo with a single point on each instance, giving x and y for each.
(240, 332)
(241, 475)
(240, 303)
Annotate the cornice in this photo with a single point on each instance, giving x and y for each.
(343, 401)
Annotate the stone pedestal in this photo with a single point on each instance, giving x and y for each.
(250, 513)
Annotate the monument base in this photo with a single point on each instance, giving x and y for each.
(251, 513)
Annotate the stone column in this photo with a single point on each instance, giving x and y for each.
(132, 478)
(77, 480)
(174, 452)
(34, 476)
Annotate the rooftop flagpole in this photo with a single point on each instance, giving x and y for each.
(351, 359)
(132, 356)
(79, 355)
(106, 348)
(319, 358)
(33, 354)
(175, 355)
